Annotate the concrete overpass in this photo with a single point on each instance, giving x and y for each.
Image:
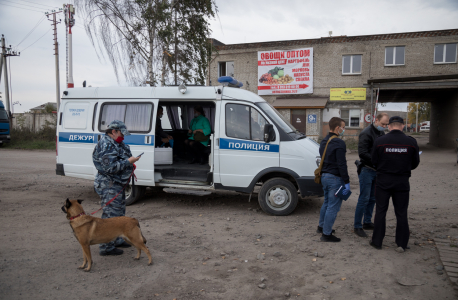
(440, 90)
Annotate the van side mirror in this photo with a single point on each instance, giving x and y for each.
(269, 133)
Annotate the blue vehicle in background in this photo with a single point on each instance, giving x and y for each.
(4, 125)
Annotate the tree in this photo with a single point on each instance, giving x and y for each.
(151, 39)
(424, 112)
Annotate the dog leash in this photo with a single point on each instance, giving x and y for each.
(106, 204)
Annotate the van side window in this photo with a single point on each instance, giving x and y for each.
(75, 115)
(244, 122)
(136, 116)
(257, 125)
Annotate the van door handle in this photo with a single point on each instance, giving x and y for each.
(147, 140)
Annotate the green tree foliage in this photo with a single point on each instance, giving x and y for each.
(152, 40)
(424, 112)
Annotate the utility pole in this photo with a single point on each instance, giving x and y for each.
(416, 124)
(6, 52)
(69, 11)
(56, 53)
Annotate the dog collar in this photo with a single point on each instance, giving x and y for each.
(81, 214)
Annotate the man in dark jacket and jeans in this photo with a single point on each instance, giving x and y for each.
(334, 174)
(366, 200)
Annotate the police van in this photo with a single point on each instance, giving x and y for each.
(250, 143)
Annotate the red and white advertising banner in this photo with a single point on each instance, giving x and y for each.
(285, 72)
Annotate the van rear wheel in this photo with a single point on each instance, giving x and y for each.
(139, 192)
(278, 197)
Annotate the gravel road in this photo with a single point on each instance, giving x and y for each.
(220, 246)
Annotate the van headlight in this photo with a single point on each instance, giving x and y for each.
(318, 161)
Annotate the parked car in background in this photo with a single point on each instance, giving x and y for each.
(424, 128)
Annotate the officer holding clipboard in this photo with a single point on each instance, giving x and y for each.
(394, 155)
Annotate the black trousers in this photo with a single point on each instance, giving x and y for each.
(400, 203)
(195, 149)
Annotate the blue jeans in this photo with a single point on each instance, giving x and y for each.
(332, 203)
(366, 200)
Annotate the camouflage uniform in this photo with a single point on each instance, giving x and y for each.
(111, 160)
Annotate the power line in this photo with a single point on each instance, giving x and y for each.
(37, 40)
(27, 5)
(21, 7)
(30, 32)
(39, 4)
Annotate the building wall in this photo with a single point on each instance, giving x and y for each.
(34, 122)
(327, 61)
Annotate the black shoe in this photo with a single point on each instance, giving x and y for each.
(375, 246)
(193, 161)
(320, 230)
(329, 238)
(368, 226)
(202, 161)
(124, 245)
(360, 232)
(115, 251)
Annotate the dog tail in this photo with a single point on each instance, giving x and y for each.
(144, 240)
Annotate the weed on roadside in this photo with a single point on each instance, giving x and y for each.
(23, 138)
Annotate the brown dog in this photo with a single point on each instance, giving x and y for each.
(90, 230)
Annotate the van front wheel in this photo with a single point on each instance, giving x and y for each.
(278, 197)
(139, 192)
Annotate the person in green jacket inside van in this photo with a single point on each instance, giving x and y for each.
(199, 131)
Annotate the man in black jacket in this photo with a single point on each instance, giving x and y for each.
(366, 200)
(394, 156)
(334, 174)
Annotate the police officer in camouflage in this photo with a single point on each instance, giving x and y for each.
(114, 163)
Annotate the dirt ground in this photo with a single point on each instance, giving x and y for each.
(220, 246)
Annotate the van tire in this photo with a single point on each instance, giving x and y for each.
(139, 193)
(278, 196)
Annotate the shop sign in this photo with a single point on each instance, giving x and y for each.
(348, 94)
(285, 71)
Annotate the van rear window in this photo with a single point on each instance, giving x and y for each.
(136, 116)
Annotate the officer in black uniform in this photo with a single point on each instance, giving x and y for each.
(394, 155)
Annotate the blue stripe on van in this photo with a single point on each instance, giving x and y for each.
(247, 145)
(73, 137)
(90, 138)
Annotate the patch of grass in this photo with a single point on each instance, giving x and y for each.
(44, 139)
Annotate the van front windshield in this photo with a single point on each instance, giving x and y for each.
(276, 117)
(3, 115)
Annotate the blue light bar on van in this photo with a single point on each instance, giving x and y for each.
(229, 81)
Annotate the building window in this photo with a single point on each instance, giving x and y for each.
(351, 64)
(226, 68)
(395, 56)
(444, 53)
(350, 116)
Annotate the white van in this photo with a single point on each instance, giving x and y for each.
(424, 128)
(250, 143)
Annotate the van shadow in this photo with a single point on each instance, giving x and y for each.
(222, 201)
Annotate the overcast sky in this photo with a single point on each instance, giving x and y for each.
(33, 72)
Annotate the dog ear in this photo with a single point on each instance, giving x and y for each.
(79, 201)
(68, 203)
